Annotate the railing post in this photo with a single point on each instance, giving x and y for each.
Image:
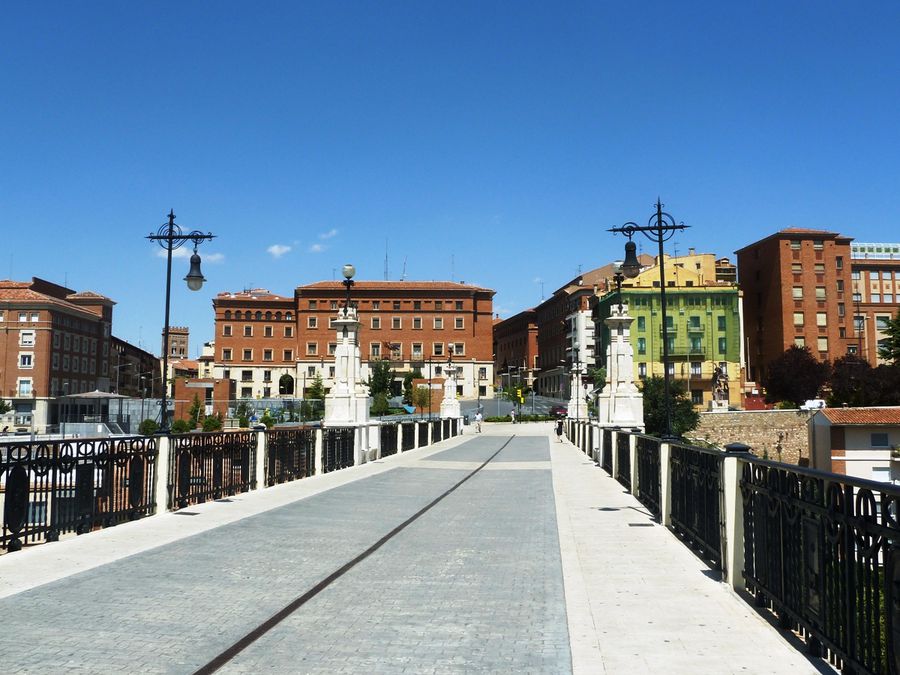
(360, 445)
(613, 444)
(665, 484)
(632, 453)
(595, 445)
(260, 468)
(319, 450)
(733, 515)
(399, 442)
(375, 440)
(162, 473)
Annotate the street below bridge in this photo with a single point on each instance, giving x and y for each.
(503, 552)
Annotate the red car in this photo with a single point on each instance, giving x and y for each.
(559, 411)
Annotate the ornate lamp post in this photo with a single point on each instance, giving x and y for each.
(659, 228)
(171, 237)
(349, 273)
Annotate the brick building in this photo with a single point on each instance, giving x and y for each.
(54, 342)
(816, 289)
(134, 371)
(516, 345)
(179, 342)
(275, 345)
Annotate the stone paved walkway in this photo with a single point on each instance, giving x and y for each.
(529, 566)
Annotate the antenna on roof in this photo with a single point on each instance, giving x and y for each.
(403, 273)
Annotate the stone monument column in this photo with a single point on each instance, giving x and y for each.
(578, 407)
(620, 404)
(450, 404)
(347, 404)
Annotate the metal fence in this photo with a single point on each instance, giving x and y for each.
(648, 473)
(696, 499)
(606, 459)
(436, 431)
(623, 457)
(423, 433)
(388, 439)
(407, 436)
(823, 552)
(337, 448)
(290, 454)
(55, 487)
(210, 466)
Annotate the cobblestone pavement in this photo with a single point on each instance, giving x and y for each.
(475, 584)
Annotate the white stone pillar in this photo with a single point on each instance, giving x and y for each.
(450, 404)
(163, 459)
(348, 402)
(632, 453)
(320, 454)
(620, 403)
(733, 553)
(665, 484)
(613, 444)
(260, 465)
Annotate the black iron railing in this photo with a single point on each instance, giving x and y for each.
(822, 551)
(623, 457)
(436, 431)
(210, 466)
(337, 448)
(423, 433)
(648, 474)
(455, 426)
(388, 439)
(446, 430)
(697, 498)
(54, 487)
(590, 435)
(407, 436)
(606, 459)
(290, 454)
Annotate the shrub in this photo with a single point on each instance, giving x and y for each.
(380, 405)
(268, 420)
(212, 423)
(180, 427)
(148, 427)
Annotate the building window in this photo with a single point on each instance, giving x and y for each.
(798, 318)
(267, 354)
(312, 322)
(800, 341)
(246, 392)
(459, 305)
(246, 376)
(267, 331)
(642, 370)
(822, 344)
(438, 323)
(795, 244)
(248, 331)
(396, 324)
(417, 322)
(417, 304)
(642, 323)
(438, 305)
(723, 345)
(334, 304)
(376, 322)
(330, 371)
(226, 330)
(313, 304)
(839, 262)
(819, 268)
(820, 292)
(879, 440)
(840, 285)
(722, 323)
(376, 305)
(288, 355)
(26, 338)
(226, 354)
(375, 349)
(26, 360)
(417, 350)
(694, 322)
(697, 396)
(818, 245)
(55, 362)
(841, 309)
(437, 348)
(459, 323)
(331, 321)
(797, 292)
(642, 345)
(876, 297)
(459, 349)
(696, 368)
(796, 268)
(821, 319)
(24, 387)
(482, 373)
(288, 331)
(312, 348)
(310, 371)
(396, 304)
(248, 355)
(332, 348)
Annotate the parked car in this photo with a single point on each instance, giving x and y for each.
(559, 411)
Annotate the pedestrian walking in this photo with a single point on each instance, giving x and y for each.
(559, 429)
(512, 415)
(478, 419)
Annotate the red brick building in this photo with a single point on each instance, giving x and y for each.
(262, 337)
(814, 288)
(516, 344)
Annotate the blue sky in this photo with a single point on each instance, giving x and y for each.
(493, 143)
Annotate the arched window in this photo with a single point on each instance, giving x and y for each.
(288, 316)
(228, 315)
(268, 316)
(278, 316)
(258, 315)
(285, 385)
(237, 315)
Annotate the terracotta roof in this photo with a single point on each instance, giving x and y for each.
(188, 364)
(862, 416)
(789, 231)
(26, 295)
(398, 285)
(258, 294)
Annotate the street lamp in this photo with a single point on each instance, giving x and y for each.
(170, 237)
(349, 272)
(659, 228)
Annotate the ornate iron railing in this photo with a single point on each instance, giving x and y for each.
(290, 454)
(446, 429)
(210, 466)
(436, 431)
(648, 473)
(623, 455)
(822, 551)
(54, 487)
(697, 498)
(606, 459)
(455, 426)
(388, 439)
(407, 436)
(337, 448)
(590, 435)
(423, 433)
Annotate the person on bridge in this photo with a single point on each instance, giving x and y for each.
(478, 419)
(559, 428)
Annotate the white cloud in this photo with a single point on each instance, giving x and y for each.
(328, 235)
(278, 250)
(317, 248)
(213, 257)
(185, 252)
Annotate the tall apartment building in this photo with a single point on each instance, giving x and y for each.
(815, 288)
(274, 345)
(55, 342)
(179, 339)
(516, 347)
(133, 371)
(703, 321)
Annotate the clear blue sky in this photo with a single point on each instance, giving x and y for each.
(493, 143)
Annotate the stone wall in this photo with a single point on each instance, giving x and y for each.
(779, 435)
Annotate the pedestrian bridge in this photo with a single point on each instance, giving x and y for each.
(508, 551)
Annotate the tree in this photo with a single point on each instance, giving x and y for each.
(795, 376)
(313, 404)
(380, 405)
(597, 376)
(5, 407)
(415, 374)
(851, 382)
(684, 417)
(212, 423)
(381, 377)
(422, 397)
(316, 390)
(889, 347)
(194, 411)
(148, 427)
(244, 411)
(180, 427)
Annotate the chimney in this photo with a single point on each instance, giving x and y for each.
(692, 251)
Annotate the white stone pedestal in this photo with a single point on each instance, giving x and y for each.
(347, 404)
(620, 404)
(578, 407)
(450, 404)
